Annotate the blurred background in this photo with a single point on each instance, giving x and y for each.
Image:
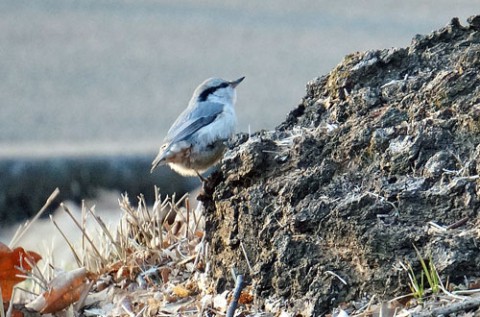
(88, 88)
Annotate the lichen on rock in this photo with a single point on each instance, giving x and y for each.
(385, 143)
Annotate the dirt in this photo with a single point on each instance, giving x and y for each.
(379, 151)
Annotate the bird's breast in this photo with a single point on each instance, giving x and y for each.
(221, 128)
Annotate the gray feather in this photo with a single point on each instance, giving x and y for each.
(192, 120)
(189, 122)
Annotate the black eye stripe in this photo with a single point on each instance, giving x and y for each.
(204, 95)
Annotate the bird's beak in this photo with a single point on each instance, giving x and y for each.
(236, 82)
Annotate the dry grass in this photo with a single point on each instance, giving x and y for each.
(153, 263)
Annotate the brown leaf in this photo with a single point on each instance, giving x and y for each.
(165, 273)
(245, 298)
(64, 290)
(17, 313)
(9, 261)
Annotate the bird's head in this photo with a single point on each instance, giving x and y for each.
(217, 90)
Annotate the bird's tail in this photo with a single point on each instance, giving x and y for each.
(160, 159)
(155, 164)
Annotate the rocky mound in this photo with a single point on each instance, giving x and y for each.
(382, 154)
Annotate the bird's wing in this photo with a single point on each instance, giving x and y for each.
(187, 124)
(193, 120)
(190, 127)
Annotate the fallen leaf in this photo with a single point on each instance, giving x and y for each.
(153, 306)
(17, 313)
(165, 273)
(126, 305)
(181, 291)
(64, 290)
(12, 263)
(245, 298)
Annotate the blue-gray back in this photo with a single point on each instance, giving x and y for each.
(193, 119)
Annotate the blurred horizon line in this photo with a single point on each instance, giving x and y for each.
(49, 149)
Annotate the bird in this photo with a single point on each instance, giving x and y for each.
(196, 140)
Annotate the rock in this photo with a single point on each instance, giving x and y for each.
(385, 143)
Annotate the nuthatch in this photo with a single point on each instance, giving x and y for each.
(197, 138)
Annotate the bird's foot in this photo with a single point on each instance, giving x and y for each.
(203, 179)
